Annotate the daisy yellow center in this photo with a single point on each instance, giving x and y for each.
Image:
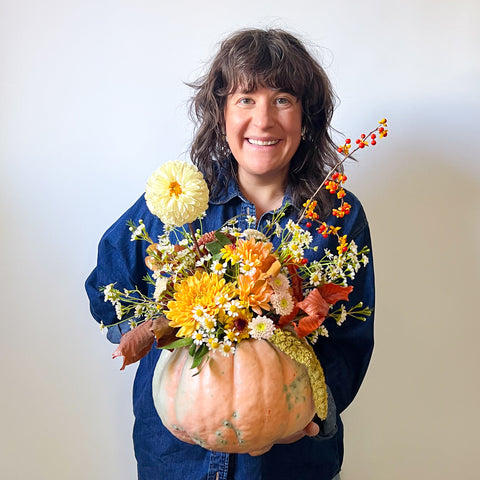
(174, 189)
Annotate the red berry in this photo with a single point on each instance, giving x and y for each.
(373, 136)
(308, 224)
(381, 129)
(362, 136)
(339, 149)
(373, 142)
(348, 141)
(357, 141)
(362, 145)
(304, 261)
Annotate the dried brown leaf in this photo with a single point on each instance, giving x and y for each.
(164, 334)
(135, 344)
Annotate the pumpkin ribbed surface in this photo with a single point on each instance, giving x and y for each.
(235, 404)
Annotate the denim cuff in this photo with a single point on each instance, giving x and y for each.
(328, 427)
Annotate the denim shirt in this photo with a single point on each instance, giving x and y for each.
(344, 355)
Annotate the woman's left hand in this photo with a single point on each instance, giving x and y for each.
(310, 430)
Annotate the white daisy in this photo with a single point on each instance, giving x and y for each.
(261, 327)
(280, 283)
(282, 303)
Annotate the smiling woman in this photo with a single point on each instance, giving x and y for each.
(278, 88)
(263, 145)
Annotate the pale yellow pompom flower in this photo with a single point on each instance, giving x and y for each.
(177, 193)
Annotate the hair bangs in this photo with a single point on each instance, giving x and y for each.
(265, 65)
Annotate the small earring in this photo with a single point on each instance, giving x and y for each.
(225, 146)
(304, 133)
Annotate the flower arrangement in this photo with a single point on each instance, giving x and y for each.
(214, 290)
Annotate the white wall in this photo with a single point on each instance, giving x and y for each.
(92, 100)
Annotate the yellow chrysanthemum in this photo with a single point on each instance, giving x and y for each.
(229, 253)
(177, 193)
(200, 290)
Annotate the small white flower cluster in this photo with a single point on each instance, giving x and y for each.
(338, 268)
(206, 334)
(138, 232)
(172, 261)
(253, 233)
(300, 240)
(343, 315)
(319, 332)
(111, 294)
(231, 227)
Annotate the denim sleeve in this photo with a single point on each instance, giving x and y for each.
(346, 353)
(119, 261)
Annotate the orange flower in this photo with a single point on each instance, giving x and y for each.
(258, 254)
(255, 290)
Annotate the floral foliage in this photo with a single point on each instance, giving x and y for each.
(213, 290)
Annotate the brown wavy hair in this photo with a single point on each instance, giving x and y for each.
(274, 59)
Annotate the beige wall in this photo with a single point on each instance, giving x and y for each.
(92, 100)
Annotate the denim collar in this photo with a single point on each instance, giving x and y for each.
(232, 191)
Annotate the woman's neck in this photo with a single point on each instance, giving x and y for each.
(266, 196)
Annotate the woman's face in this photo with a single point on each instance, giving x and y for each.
(263, 130)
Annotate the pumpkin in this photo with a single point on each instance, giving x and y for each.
(237, 404)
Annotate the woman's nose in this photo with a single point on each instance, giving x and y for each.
(263, 115)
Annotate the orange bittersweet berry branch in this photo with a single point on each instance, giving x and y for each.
(333, 180)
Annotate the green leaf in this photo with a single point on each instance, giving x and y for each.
(222, 238)
(181, 342)
(215, 247)
(199, 354)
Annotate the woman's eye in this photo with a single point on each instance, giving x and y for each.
(283, 101)
(245, 101)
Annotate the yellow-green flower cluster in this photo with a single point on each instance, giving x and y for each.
(300, 351)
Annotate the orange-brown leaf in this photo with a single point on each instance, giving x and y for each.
(287, 319)
(164, 334)
(307, 325)
(333, 293)
(135, 344)
(314, 304)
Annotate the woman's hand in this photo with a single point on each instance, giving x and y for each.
(310, 430)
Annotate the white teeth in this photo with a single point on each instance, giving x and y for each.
(262, 143)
